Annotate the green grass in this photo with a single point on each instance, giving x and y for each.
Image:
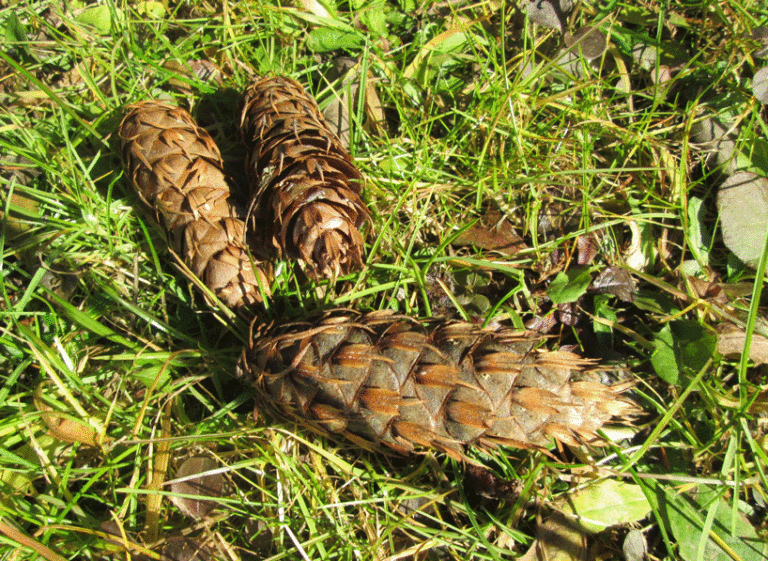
(104, 342)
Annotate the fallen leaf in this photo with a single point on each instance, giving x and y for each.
(634, 547)
(23, 209)
(64, 426)
(760, 35)
(712, 136)
(337, 113)
(203, 70)
(558, 540)
(587, 246)
(180, 548)
(493, 233)
(589, 40)
(730, 343)
(196, 483)
(760, 85)
(484, 483)
(549, 13)
(742, 202)
(568, 314)
(605, 504)
(618, 282)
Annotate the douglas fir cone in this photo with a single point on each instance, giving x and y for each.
(177, 170)
(384, 380)
(305, 189)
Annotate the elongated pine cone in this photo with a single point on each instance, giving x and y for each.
(385, 380)
(303, 183)
(177, 170)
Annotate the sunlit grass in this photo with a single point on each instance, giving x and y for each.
(101, 326)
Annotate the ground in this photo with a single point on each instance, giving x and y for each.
(594, 172)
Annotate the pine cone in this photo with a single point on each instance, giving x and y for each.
(303, 183)
(385, 379)
(177, 170)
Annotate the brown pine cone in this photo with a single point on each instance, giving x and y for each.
(385, 380)
(177, 170)
(305, 189)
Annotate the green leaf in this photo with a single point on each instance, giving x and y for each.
(13, 29)
(681, 347)
(603, 309)
(326, 39)
(699, 236)
(154, 10)
(570, 286)
(694, 344)
(150, 374)
(97, 17)
(742, 202)
(686, 517)
(663, 358)
(606, 503)
(375, 19)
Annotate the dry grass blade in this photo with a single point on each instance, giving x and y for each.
(177, 170)
(304, 185)
(25, 541)
(385, 380)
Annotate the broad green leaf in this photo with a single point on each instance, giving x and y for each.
(743, 205)
(606, 503)
(326, 39)
(149, 376)
(663, 357)
(695, 344)
(730, 535)
(13, 29)
(98, 17)
(154, 10)
(570, 286)
(603, 309)
(375, 19)
(681, 347)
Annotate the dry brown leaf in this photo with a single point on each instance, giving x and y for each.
(493, 233)
(17, 170)
(337, 113)
(731, 339)
(180, 548)
(196, 482)
(64, 426)
(589, 40)
(203, 70)
(484, 483)
(742, 203)
(616, 281)
(560, 541)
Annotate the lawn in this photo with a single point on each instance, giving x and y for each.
(595, 171)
